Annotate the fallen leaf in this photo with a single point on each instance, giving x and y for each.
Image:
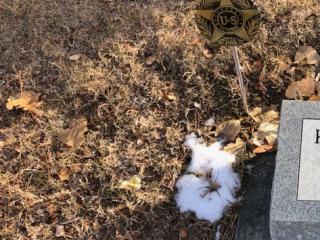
(196, 41)
(267, 115)
(133, 183)
(28, 101)
(229, 130)
(291, 70)
(307, 53)
(314, 98)
(267, 129)
(263, 149)
(183, 233)
(265, 138)
(52, 209)
(75, 57)
(236, 147)
(64, 174)
(150, 60)
(170, 96)
(197, 105)
(60, 231)
(256, 114)
(270, 116)
(74, 135)
(305, 87)
(255, 141)
(272, 139)
(76, 168)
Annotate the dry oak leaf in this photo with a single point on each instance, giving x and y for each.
(229, 130)
(74, 135)
(28, 101)
(268, 115)
(307, 53)
(236, 147)
(256, 114)
(314, 98)
(266, 137)
(303, 88)
(133, 183)
(263, 149)
(271, 115)
(268, 131)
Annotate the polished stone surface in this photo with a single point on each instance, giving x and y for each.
(290, 217)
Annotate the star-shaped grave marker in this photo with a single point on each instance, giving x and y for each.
(231, 23)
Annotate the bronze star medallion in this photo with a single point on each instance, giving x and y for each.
(228, 22)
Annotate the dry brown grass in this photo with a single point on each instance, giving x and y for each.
(142, 68)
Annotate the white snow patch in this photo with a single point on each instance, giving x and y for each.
(210, 122)
(195, 191)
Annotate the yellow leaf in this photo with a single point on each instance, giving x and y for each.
(74, 135)
(28, 101)
(171, 97)
(133, 183)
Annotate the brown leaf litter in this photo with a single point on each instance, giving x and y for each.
(303, 88)
(228, 130)
(265, 138)
(28, 101)
(74, 135)
(307, 54)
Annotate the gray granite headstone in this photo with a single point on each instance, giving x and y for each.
(295, 201)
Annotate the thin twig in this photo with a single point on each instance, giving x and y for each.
(241, 84)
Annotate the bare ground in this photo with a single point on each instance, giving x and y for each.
(141, 70)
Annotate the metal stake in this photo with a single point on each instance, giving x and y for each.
(241, 84)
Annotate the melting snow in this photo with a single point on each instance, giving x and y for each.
(209, 185)
(210, 122)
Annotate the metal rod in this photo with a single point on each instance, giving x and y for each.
(241, 84)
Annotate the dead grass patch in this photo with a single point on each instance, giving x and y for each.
(138, 111)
